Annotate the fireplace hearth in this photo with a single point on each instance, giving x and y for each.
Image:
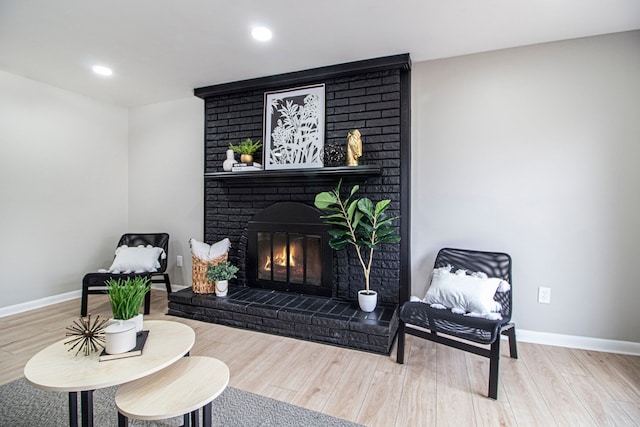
(312, 318)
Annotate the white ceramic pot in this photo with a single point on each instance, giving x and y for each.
(138, 320)
(120, 337)
(367, 302)
(222, 286)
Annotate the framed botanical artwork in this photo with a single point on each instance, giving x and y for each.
(294, 128)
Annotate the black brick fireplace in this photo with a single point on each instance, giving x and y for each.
(372, 96)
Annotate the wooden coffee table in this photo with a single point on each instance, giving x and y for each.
(57, 369)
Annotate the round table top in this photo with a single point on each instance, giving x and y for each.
(57, 369)
(183, 387)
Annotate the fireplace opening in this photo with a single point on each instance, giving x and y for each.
(288, 250)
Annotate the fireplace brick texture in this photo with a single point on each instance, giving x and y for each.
(369, 102)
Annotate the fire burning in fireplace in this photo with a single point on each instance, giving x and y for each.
(289, 257)
(288, 250)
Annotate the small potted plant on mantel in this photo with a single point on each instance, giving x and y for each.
(246, 149)
(126, 297)
(359, 223)
(220, 274)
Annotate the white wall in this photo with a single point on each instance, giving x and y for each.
(63, 188)
(166, 161)
(534, 151)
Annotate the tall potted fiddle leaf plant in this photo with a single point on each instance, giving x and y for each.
(360, 223)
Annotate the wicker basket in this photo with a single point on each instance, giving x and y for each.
(199, 273)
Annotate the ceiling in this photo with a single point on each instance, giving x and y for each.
(162, 49)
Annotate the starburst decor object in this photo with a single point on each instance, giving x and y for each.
(85, 335)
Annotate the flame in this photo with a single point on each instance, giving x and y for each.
(281, 258)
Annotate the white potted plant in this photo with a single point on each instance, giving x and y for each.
(359, 223)
(221, 274)
(126, 297)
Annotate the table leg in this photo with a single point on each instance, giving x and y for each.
(206, 415)
(122, 420)
(86, 402)
(73, 409)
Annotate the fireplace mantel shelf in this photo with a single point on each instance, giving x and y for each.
(312, 175)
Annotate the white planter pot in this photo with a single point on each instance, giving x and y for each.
(222, 286)
(137, 319)
(368, 301)
(120, 337)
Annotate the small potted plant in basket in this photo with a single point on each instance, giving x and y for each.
(246, 149)
(126, 297)
(220, 274)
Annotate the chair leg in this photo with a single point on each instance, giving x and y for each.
(401, 338)
(147, 303)
(513, 346)
(167, 282)
(84, 303)
(494, 364)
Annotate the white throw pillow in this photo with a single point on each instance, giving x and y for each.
(208, 252)
(141, 259)
(459, 291)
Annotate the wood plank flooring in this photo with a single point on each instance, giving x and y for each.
(437, 385)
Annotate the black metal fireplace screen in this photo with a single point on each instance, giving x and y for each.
(288, 250)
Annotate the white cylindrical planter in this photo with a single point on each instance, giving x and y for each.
(367, 302)
(138, 320)
(222, 286)
(120, 337)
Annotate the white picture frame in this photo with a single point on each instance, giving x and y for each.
(294, 128)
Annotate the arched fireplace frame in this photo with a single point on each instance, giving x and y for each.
(290, 218)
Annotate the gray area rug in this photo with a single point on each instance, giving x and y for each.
(22, 404)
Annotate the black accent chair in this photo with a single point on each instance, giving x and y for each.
(474, 329)
(94, 283)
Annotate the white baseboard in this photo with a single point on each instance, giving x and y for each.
(584, 343)
(43, 302)
(39, 303)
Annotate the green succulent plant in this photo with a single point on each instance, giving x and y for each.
(246, 146)
(126, 295)
(222, 271)
(357, 222)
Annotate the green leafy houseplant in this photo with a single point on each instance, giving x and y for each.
(126, 295)
(222, 271)
(357, 222)
(246, 146)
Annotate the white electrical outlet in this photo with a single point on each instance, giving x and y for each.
(179, 261)
(544, 295)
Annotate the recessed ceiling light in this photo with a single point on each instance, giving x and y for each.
(262, 34)
(103, 71)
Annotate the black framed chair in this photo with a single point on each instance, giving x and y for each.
(441, 323)
(94, 283)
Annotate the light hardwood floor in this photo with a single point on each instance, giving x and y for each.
(437, 385)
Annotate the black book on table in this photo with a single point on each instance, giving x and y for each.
(141, 339)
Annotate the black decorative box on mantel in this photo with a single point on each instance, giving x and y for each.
(310, 318)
